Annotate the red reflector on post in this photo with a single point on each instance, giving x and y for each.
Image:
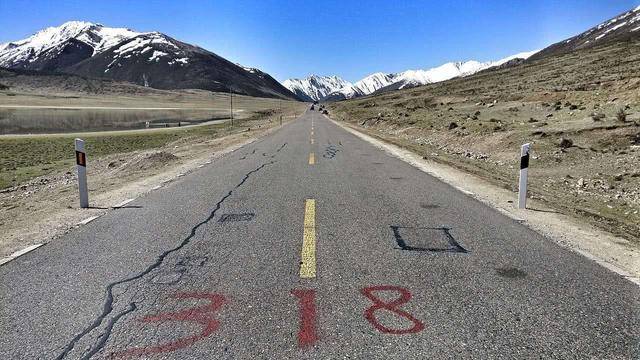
(81, 159)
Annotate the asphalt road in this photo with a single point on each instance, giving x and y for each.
(272, 252)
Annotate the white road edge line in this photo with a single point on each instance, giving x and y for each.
(19, 253)
(88, 220)
(156, 187)
(394, 151)
(123, 203)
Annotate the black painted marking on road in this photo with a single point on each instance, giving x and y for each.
(429, 206)
(511, 273)
(108, 303)
(236, 217)
(378, 163)
(330, 152)
(247, 154)
(425, 234)
(396, 178)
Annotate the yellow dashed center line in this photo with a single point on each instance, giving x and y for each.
(312, 159)
(308, 259)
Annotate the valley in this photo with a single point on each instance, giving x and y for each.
(215, 211)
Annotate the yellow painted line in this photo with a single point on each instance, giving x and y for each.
(312, 159)
(308, 259)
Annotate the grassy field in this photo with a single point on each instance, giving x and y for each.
(580, 111)
(26, 111)
(23, 158)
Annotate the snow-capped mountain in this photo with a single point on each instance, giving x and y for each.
(150, 59)
(39, 51)
(362, 87)
(623, 26)
(410, 78)
(314, 87)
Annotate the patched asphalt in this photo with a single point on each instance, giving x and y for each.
(407, 267)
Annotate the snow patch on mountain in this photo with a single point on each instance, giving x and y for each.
(249, 69)
(144, 42)
(619, 24)
(181, 61)
(157, 55)
(523, 55)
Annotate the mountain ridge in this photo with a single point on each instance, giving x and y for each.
(380, 81)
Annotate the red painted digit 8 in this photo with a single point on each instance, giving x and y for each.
(392, 306)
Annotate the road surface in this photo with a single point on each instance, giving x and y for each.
(311, 243)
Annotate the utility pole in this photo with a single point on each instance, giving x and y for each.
(231, 98)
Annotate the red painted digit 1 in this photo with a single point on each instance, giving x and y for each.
(392, 306)
(202, 315)
(307, 334)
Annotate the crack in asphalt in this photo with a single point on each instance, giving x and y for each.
(108, 303)
(102, 339)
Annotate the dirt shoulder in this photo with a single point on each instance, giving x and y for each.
(45, 208)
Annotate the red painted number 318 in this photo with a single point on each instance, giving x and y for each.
(204, 316)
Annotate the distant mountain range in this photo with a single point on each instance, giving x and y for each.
(307, 88)
(621, 27)
(151, 59)
(156, 60)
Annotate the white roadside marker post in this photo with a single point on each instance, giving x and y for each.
(524, 167)
(81, 164)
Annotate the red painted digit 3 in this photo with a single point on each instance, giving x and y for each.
(202, 315)
(393, 307)
(307, 334)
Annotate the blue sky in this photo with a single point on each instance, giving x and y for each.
(349, 38)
